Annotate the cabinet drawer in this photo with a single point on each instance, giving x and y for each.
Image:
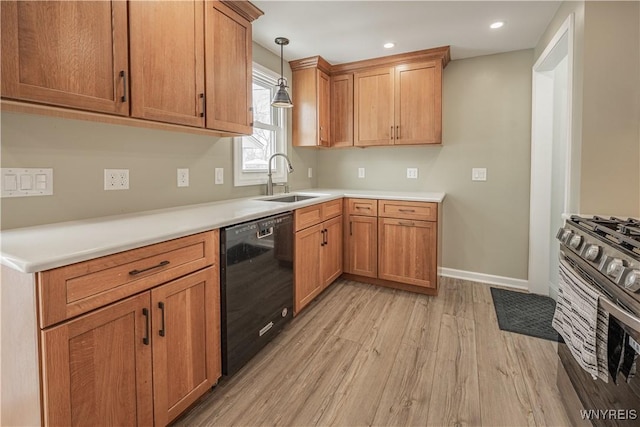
(68, 291)
(331, 209)
(425, 211)
(306, 217)
(315, 214)
(363, 207)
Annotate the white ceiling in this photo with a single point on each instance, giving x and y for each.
(345, 31)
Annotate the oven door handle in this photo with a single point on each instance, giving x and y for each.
(621, 314)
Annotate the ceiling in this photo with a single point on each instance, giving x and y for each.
(345, 31)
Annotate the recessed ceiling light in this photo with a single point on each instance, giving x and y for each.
(496, 25)
(388, 45)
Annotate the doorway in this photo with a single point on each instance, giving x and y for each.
(550, 157)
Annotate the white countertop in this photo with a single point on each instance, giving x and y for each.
(43, 247)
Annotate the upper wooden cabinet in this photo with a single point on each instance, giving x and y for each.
(341, 111)
(311, 104)
(393, 100)
(228, 64)
(190, 61)
(72, 54)
(167, 66)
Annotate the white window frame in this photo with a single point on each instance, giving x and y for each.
(279, 175)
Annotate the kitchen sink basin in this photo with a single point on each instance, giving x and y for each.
(290, 198)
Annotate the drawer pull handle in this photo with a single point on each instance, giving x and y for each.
(161, 332)
(136, 272)
(407, 210)
(145, 313)
(407, 223)
(363, 207)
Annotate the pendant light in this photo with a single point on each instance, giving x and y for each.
(281, 99)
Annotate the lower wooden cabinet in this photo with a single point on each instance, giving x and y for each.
(407, 251)
(318, 250)
(361, 245)
(98, 367)
(140, 361)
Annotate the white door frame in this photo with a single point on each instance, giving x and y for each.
(541, 157)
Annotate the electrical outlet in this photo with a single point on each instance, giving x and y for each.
(183, 177)
(360, 172)
(412, 173)
(478, 174)
(219, 176)
(310, 173)
(116, 179)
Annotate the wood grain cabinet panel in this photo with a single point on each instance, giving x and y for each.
(307, 270)
(68, 53)
(426, 211)
(186, 342)
(97, 368)
(311, 111)
(167, 66)
(407, 251)
(364, 207)
(361, 245)
(418, 103)
(228, 51)
(341, 111)
(331, 257)
(373, 121)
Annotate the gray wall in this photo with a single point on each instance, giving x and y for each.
(606, 104)
(486, 123)
(78, 151)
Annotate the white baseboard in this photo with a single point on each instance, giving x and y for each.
(508, 282)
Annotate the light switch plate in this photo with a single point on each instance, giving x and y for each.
(412, 173)
(183, 177)
(360, 172)
(24, 182)
(479, 174)
(219, 176)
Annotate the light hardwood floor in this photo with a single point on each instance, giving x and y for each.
(365, 355)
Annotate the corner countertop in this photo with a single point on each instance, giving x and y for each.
(43, 247)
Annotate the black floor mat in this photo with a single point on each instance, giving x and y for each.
(527, 314)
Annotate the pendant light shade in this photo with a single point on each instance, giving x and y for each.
(281, 99)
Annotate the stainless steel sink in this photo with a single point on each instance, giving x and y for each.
(290, 198)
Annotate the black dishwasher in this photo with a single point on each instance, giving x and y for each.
(256, 282)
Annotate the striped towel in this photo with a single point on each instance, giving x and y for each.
(582, 323)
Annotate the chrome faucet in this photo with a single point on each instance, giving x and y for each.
(269, 180)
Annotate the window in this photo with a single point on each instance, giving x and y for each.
(251, 153)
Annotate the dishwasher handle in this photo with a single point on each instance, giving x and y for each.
(261, 234)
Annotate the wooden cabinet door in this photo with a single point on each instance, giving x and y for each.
(373, 107)
(361, 246)
(341, 116)
(167, 65)
(324, 102)
(228, 70)
(418, 103)
(407, 251)
(307, 283)
(97, 368)
(331, 259)
(68, 53)
(186, 342)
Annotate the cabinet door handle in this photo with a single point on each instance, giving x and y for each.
(201, 96)
(350, 228)
(123, 98)
(161, 332)
(326, 236)
(391, 132)
(145, 339)
(407, 210)
(397, 132)
(407, 223)
(136, 272)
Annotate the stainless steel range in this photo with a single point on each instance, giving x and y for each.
(605, 254)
